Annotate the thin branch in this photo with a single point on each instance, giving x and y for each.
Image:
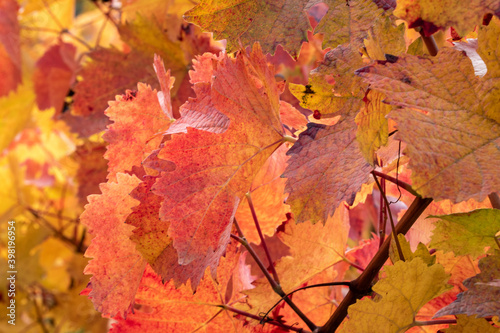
(381, 220)
(346, 283)
(39, 317)
(59, 32)
(396, 240)
(107, 14)
(57, 233)
(362, 284)
(67, 218)
(261, 236)
(353, 264)
(398, 182)
(266, 320)
(99, 34)
(56, 20)
(494, 199)
(276, 287)
(435, 322)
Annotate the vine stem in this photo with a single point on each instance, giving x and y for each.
(435, 322)
(494, 199)
(261, 236)
(276, 287)
(396, 240)
(398, 182)
(268, 320)
(362, 284)
(345, 283)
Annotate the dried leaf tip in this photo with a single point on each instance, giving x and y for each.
(166, 83)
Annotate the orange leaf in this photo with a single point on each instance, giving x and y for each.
(164, 308)
(117, 267)
(137, 118)
(214, 171)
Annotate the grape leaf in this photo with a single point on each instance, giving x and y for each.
(153, 242)
(348, 22)
(385, 38)
(432, 16)
(470, 324)
(128, 145)
(423, 227)
(326, 167)
(466, 233)
(267, 194)
(119, 71)
(94, 91)
(313, 249)
(373, 128)
(331, 88)
(482, 296)
(200, 112)
(489, 48)
(453, 142)
(117, 266)
(406, 288)
(15, 111)
(270, 23)
(165, 308)
(54, 73)
(421, 252)
(10, 51)
(213, 171)
(92, 169)
(460, 268)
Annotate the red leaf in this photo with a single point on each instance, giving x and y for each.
(54, 73)
(213, 171)
(117, 266)
(10, 52)
(131, 136)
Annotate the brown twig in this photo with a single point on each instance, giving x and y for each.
(276, 287)
(435, 322)
(328, 284)
(494, 199)
(268, 320)
(393, 227)
(362, 284)
(398, 182)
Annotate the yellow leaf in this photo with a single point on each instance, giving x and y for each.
(470, 324)
(408, 286)
(15, 111)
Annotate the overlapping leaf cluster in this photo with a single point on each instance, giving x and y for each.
(175, 151)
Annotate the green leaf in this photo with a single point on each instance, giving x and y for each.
(421, 252)
(466, 233)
